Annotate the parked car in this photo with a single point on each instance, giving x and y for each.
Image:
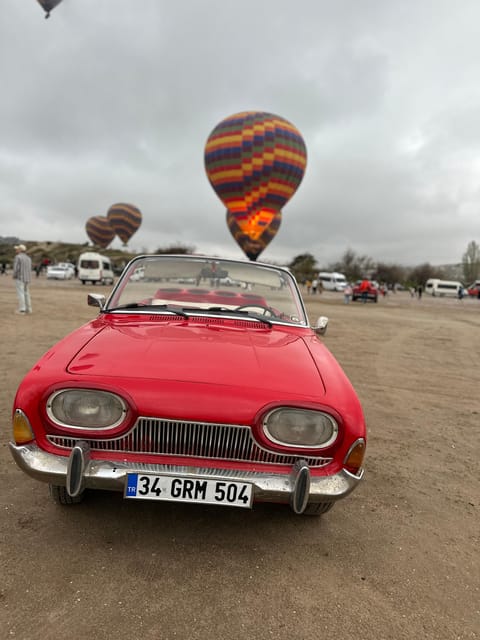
(61, 271)
(365, 290)
(474, 289)
(138, 274)
(228, 282)
(194, 393)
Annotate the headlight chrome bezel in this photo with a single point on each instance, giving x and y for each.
(326, 418)
(53, 414)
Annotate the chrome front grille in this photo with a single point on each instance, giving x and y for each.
(211, 441)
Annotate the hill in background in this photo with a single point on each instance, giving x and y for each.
(59, 252)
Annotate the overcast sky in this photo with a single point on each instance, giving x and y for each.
(113, 100)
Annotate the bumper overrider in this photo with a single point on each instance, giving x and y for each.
(78, 472)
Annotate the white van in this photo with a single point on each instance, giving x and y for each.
(436, 287)
(93, 267)
(332, 281)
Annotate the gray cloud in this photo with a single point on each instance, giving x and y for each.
(114, 101)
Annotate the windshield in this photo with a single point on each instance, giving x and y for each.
(186, 284)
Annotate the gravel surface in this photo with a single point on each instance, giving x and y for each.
(399, 558)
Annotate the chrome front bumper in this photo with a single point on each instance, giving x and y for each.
(79, 472)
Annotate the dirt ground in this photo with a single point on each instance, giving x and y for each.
(399, 558)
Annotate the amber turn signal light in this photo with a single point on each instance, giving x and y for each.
(22, 431)
(354, 458)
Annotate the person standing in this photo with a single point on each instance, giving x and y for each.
(364, 289)
(347, 293)
(22, 274)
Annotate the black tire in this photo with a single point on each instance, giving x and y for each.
(317, 508)
(83, 281)
(60, 495)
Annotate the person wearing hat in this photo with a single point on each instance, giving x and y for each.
(22, 274)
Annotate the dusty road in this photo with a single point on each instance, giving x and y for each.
(400, 558)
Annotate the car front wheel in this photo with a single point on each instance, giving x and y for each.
(317, 508)
(61, 496)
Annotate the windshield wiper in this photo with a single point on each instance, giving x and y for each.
(185, 312)
(239, 312)
(141, 305)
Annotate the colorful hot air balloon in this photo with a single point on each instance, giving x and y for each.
(253, 247)
(255, 162)
(125, 220)
(48, 5)
(99, 231)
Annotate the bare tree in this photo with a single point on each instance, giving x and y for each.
(353, 266)
(390, 273)
(177, 248)
(423, 272)
(303, 267)
(471, 262)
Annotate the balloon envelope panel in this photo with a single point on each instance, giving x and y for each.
(125, 220)
(99, 231)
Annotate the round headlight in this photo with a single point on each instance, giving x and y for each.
(300, 427)
(86, 409)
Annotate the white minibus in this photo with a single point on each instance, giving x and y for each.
(93, 267)
(332, 281)
(437, 287)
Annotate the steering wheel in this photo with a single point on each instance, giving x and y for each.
(264, 311)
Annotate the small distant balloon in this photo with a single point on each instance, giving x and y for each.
(48, 5)
(253, 246)
(99, 231)
(255, 161)
(125, 219)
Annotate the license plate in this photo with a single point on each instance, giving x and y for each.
(196, 490)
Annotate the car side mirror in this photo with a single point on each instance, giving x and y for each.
(96, 300)
(321, 326)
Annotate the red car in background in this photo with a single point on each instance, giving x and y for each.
(474, 289)
(365, 290)
(185, 390)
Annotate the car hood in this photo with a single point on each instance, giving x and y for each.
(215, 354)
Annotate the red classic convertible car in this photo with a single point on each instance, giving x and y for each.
(182, 389)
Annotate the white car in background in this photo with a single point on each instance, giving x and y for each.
(138, 274)
(61, 271)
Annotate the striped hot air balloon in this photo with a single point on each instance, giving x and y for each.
(125, 219)
(48, 5)
(255, 161)
(100, 231)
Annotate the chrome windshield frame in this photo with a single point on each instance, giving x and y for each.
(113, 304)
